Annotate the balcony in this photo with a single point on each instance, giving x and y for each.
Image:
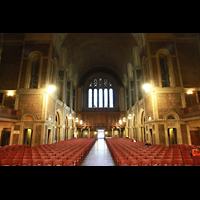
(192, 111)
(8, 114)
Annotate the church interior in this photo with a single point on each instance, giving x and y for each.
(75, 90)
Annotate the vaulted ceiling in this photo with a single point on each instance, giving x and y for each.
(90, 51)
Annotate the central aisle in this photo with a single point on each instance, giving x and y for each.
(99, 155)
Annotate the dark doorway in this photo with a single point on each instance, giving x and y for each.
(28, 136)
(5, 137)
(49, 134)
(150, 130)
(172, 135)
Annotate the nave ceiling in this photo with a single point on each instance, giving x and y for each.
(93, 52)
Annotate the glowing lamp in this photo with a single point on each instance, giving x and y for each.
(50, 89)
(147, 87)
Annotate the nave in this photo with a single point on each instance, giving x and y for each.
(99, 155)
(98, 152)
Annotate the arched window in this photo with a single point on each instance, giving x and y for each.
(100, 94)
(165, 68)
(34, 73)
(164, 71)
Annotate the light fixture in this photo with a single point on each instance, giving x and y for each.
(120, 121)
(189, 92)
(81, 121)
(51, 88)
(146, 87)
(10, 93)
(129, 116)
(124, 119)
(76, 119)
(149, 118)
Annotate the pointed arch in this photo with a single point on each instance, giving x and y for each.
(34, 70)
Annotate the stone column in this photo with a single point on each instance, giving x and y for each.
(112, 133)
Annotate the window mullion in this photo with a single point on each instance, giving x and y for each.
(92, 97)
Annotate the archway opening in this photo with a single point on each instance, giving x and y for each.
(172, 135)
(100, 134)
(143, 131)
(28, 136)
(5, 136)
(57, 130)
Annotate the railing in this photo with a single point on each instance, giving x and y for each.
(191, 111)
(8, 113)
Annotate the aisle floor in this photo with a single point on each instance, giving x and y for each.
(99, 155)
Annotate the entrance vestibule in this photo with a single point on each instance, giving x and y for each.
(100, 134)
(28, 136)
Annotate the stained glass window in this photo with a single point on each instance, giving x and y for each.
(95, 98)
(111, 98)
(100, 98)
(90, 98)
(100, 94)
(106, 98)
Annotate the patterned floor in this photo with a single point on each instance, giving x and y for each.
(99, 155)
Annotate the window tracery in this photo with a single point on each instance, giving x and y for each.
(100, 94)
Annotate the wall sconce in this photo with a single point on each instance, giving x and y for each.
(81, 121)
(129, 116)
(149, 118)
(51, 88)
(146, 87)
(76, 120)
(124, 119)
(10, 93)
(120, 122)
(189, 92)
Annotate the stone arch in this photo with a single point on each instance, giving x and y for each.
(58, 119)
(66, 126)
(164, 53)
(136, 56)
(171, 113)
(29, 116)
(130, 70)
(141, 120)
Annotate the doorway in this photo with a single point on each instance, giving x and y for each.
(49, 136)
(28, 136)
(143, 134)
(151, 135)
(172, 135)
(5, 137)
(100, 134)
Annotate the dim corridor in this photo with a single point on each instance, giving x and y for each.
(99, 155)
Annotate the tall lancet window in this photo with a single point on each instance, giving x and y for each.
(100, 94)
(90, 98)
(34, 73)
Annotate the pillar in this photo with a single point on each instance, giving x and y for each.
(112, 133)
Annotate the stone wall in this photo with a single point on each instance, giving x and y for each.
(31, 103)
